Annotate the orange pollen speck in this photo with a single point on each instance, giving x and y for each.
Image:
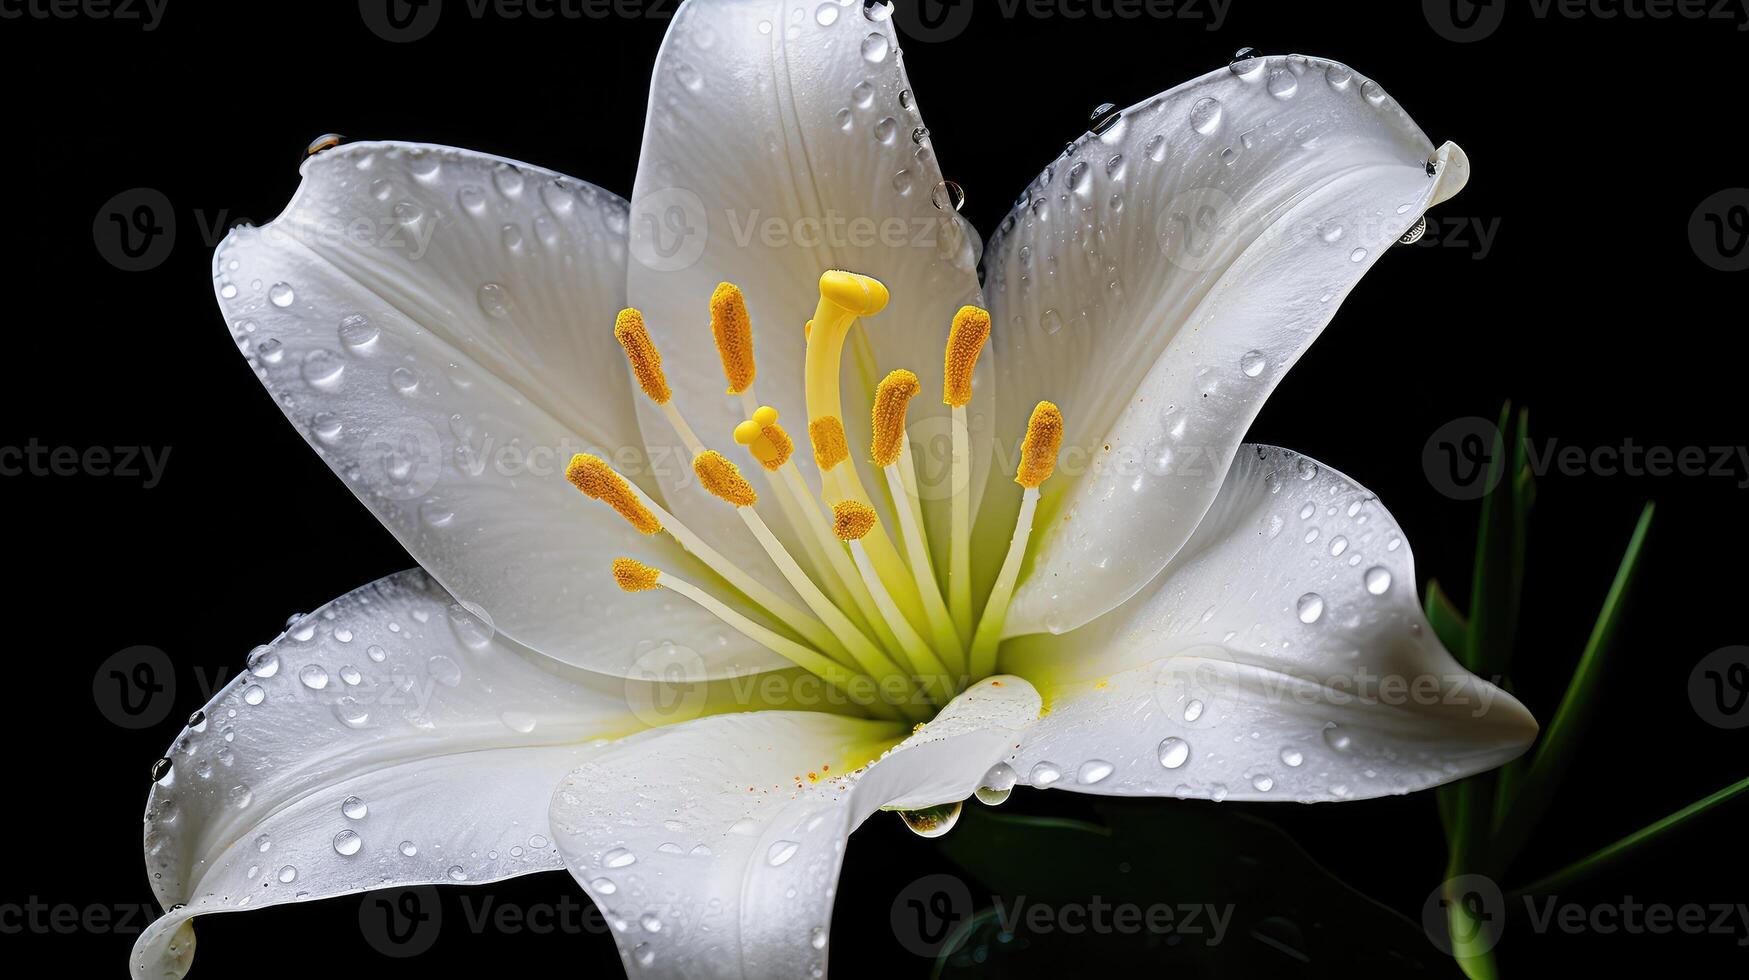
(596, 479)
(723, 479)
(852, 520)
(635, 576)
(733, 330)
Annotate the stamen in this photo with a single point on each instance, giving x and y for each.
(765, 439)
(723, 479)
(892, 397)
(646, 361)
(852, 521)
(1038, 458)
(733, 330)
(1038, 453)
(634, 576)
(831, 446)
(965, 342)
(597, 480)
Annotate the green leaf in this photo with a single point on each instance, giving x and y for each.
(1493, 597)
(1284, 916)
(1449, 624)
(1589, 864)
(1561, 738)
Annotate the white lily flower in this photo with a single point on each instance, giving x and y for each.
(1192, 617)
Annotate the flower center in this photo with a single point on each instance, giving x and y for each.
(879, 624)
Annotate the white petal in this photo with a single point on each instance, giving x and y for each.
(785, 147)
(717, 849)
(1282, 655)
(371, 311)
(1159, 280)
(386, 739)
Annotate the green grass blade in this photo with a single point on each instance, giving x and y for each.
(1448, 622)
(1492, 601)
(1561, 737)
(1597, 859)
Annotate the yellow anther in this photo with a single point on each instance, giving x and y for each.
(1038, 454)
(892, 396)
(971, 329)
(765, 439)
(852, 521)
(635, 576)
(596, 479)
(629, 330)
(855, 294)
(733, 330)
(723, 479)
(831, 446)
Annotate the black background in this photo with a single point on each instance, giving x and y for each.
(1593, 139)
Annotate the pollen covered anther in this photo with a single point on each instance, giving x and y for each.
(629, 330)
(892, 397)
(852, 521)
(723, 479)
(1038, 454)
(597, 480)
(733, 330)
(635, 576)
(765, 439)
(965, 342)
(831, 446)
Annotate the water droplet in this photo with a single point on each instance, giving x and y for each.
(619, 857)
(408, 848)
(817, 937)
(1245, 64)
(1336, 738)
(932, 821)
(323, 368)
(288, 874)
(875, 48)
(313, 676)
(1174, 752)
(780, 852)
(1378, 579)
(1309, 607)
(603, 886)
(347, 843)
(161, 770)
(444, 670)
(1052, 321)
(1263, 783)
(376, 653)
(1193, 710)
(1155, 149)
(1292, 757)
(1092, 771)
(1253, 363)
(1044, 774)
(253, 694)
(1205, 116)
(494, 300)
(1339, 77)
(518, 721)
(643, 954)
(947, 196)
(886, 130)
(280, 294)
(1358, 255)
(456, 873)
(353, 808)
(1283, 83)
